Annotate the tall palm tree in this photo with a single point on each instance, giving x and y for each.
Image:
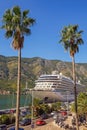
(17, 24)
(71, 39)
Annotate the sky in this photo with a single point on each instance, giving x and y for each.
(51, 16)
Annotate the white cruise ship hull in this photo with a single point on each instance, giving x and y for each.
(52, 96)
(57, 87)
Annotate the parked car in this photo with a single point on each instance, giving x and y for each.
(23, 113)
(44, 116)
(2, 112)
(3, 127)
(25, 122)
(40, 122)
(13, 128)
(63, 113)
(53, 113)
(55, 117)
(12, 111)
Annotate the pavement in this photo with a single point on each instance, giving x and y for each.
(53, 126)
(49, 126)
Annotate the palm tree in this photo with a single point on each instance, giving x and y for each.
(71, 39)
(17, 24)
(82, 104)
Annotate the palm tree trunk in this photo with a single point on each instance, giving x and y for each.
(75, 92)
(86, 117)
(18, 89)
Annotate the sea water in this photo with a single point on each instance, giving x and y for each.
(9, 101)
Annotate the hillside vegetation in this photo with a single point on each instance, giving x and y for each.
(32, 68)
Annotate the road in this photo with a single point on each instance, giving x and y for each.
(48, 121)
(50, 125)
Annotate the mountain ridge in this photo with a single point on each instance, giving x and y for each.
(32, 68)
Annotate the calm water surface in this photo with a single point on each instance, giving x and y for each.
(9, 101)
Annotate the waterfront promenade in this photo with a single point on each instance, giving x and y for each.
(51, 125)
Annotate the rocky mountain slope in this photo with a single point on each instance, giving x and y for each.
(32, 68)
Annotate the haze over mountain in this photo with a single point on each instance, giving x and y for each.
(32, 68)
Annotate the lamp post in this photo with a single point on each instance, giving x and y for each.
(67, 102)
(32, 115)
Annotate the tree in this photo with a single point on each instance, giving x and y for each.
(17, 24)
(82, 104)
(56, 106)
(71, 39)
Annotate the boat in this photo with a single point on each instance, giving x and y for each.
(57, 87)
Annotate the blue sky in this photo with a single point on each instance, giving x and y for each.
(51, 16)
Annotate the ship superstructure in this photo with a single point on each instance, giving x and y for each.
(58, 84)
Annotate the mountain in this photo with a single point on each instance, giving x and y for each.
(32, 68)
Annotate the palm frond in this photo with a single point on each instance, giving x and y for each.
(8, 34)
(25, 13)
(16, 11)
(17, 24)
(71, 38)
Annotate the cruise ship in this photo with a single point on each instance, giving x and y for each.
(57, 87)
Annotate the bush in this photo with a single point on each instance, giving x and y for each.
(7, 119)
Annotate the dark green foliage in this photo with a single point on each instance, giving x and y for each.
(7, 119)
